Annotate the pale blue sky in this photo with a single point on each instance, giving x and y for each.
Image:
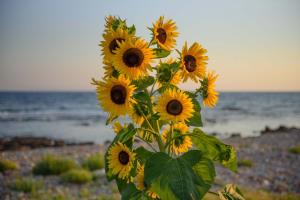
(53, 45)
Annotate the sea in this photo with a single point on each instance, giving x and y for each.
(77, 116)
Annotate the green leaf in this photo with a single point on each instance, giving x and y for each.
(174, 178)
(125, 136)
(143, 155)
(143, 83)
(161, 53)
(206, 170)
(143, 97)
(214, 149)
(165, 87)
(131, 30)
(196, 119)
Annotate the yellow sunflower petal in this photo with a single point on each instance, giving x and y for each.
(210, 95)
(117, 127)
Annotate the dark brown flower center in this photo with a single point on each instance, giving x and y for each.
(113, 45)
(174, 107)
(118, 94)
(190, 63)
(123, 157)
(162, 35)
(133, 57)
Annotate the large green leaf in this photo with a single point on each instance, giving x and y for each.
(175, 178)
(161, 53)
(214, 149)
(143, 154)
(206, 170)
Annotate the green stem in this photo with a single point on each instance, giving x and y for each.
(146, 143)
(170, 138)
(151, 92)
(148, 130)
(214, 193)
(157, 136)
(160, 143)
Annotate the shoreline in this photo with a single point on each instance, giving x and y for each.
(21, 143)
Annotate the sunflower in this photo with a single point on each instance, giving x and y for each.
(140, 182)
(111, 42)
(193, 62)
(209, 93)
(181, 143)
(164, 34)
(120, 160)
(174, 105)
(117, 127)
(133, 58)
(115, 94)
(174, 79)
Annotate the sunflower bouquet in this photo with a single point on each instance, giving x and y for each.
(161, 154)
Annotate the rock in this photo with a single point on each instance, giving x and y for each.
(280, 129)
(26, 143)
(235, 135)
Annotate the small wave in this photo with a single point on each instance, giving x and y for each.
(232, 108)
(51, 118)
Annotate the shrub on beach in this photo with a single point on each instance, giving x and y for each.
(7, 165)
(25, 185)
(94, 162)
(78, 176)
(295, 150)
(245, 163)
(53, 165)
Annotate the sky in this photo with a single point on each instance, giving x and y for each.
(53, 45)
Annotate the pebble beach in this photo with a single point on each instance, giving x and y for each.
(273, 167)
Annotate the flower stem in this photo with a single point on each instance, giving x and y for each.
(214, 193)
(146, 143)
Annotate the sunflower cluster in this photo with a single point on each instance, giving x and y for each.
(141, 81)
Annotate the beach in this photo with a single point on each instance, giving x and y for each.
(273, 168)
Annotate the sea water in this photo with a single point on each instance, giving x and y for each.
(76, 116)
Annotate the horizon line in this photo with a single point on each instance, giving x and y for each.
(221, 91)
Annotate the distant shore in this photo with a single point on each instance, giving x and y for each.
(265, 163)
